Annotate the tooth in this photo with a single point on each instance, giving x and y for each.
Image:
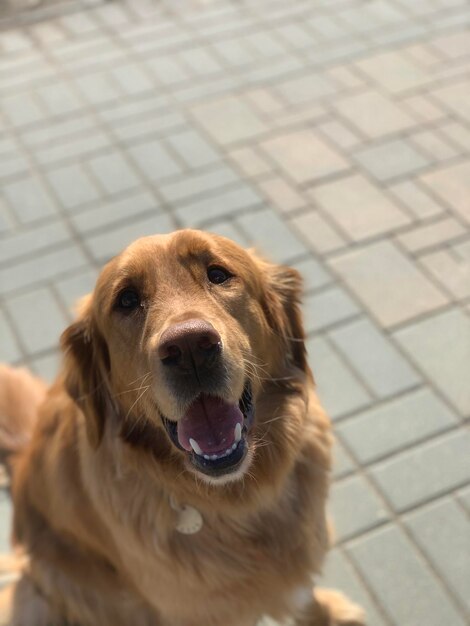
(234, 446)
(227, 451)
(214, 457)
(238, 433)
(207, 457)
(196, 447)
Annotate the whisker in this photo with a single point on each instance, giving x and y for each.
(136, 401)
(140, 378)
(252, 356)
(254, 368)
(121, 393)
(275, 419)
(263, 444)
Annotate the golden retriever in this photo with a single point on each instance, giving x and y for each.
(178, 468)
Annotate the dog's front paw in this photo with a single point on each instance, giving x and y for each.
(342, 612)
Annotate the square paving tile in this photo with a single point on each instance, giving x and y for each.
(73, 288)
(374, 114)
(342, 136)
(39, 319)
(22, 109)
(416, 200)
(425, 472)
(403, 583)
(9, 348)
(343, 463)
(114, 173)
(394, 71)
(426, 110)
(303, 156)
(73, 186)
(234, 52)
(374, 358)
(167, 70)
(318, 233)
(132, 79)
(440, 346)
(452, 272)
(97, 88)
(59, 98)
(228, 120)
(5, 522)
(388, 283)
(200, 61)
(112, 211)
(326, 308)
(355, 507)
(5, 219)
(429, 235)
(340, 391)
(314, 275)
(250, 162)
(358, 207)
(394, 425)
(453, 45)
(434, 145)
(29, 199)
(442, 530)
(283, 195)
(450, 184)
(268, 233)
(463, 497)
(306, 88)
(340, 574)
(221, 204)
(227, 228)
(31, 272)
(28, 241)
(392, 159)
(454, 97)
(105, 245)
(457, 134)
(193, 149)
(154, 160)
(198, 184)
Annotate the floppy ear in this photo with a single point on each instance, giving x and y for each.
(282, 309)
(86, 373)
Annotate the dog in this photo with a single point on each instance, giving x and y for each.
(176, 472)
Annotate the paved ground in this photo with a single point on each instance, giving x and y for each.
(333, 134)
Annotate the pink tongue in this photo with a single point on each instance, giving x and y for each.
(211, 423)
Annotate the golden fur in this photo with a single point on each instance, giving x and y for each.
(95, 484)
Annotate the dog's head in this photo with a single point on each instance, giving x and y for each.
(185, 341)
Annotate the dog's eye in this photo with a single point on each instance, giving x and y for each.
(128, 300)
(218, 275)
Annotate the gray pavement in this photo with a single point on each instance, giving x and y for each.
(335, 136)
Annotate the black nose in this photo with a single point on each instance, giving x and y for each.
(194, 342)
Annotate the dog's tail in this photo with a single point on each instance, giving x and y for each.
(21, 394)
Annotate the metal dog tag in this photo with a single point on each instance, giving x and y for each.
(189, 520)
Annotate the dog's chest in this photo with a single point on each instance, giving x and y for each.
(211, 559)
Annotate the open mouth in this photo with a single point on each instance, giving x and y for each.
(213, 432)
